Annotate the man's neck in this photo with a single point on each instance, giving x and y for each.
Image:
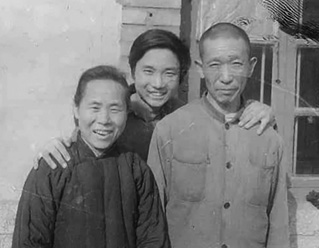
(225, 109)
(141, 108)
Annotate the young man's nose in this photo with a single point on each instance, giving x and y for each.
(226, 75)
(157, 81)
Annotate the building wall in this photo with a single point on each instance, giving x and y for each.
(44, 46)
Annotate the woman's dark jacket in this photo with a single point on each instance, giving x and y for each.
(111, 201)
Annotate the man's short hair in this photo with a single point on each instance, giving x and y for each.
(225, 30)
(158, 38)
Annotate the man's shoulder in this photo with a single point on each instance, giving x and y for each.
(182, 114)
(270, 139)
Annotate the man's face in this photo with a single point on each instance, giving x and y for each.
(101, 113)
(157, 76)
(226, 67)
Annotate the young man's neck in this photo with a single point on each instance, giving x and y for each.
(225, 109)
(143, 109)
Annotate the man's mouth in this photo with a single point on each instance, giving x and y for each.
(157, 94)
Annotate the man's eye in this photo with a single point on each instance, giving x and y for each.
(214, 65)
(171, 74)
(237, 63)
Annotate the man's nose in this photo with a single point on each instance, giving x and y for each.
(226, 75)
(157, 81)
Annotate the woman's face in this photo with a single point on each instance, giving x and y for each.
(157, 76)
(102, 113)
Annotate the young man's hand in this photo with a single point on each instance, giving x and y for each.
(255, 113)
(55, 148)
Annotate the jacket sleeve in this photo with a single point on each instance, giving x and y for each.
(151, 231)
(278, 236)
(159, 158)
(35, 219)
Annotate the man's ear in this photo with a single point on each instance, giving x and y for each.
(199, 66)
(252, 64)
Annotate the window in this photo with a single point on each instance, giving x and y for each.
(260, 84)
(306, 130)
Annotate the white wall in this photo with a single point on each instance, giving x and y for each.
(44, 47)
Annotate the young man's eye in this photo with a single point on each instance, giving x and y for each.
(171, 74)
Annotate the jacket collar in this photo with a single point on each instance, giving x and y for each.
(84, 150)
(220, 116)
(142, 110)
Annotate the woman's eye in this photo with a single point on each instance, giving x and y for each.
(148, 72)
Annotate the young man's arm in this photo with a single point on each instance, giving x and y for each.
(159, 157)
(152, 231)
(278, 236)
(56, 148)
(35, 220)
(255, 113)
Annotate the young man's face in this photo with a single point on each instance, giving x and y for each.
(101, 113)
(226, 67)
(157, 76)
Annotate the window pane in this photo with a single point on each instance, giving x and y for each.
(307, 160)
(264, 55)
(309, 77)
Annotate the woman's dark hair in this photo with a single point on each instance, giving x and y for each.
(101, 72)
(158, 38)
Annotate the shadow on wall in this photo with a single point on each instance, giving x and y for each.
(292, 205)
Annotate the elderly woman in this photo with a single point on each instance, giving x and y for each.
(106, 197)
(159, 62)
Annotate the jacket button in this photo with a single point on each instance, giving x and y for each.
(226, 205)
(228, 165)
(227, 126)
(224, 246)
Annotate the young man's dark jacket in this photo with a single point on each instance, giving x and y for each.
(138, 131)
(111, 201)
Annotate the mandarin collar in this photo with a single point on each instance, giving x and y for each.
(212, 111)
(86, 152)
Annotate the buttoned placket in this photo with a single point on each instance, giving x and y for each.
(228, 174)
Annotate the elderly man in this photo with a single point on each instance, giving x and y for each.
(221, 185)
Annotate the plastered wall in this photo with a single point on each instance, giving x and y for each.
(44, 46)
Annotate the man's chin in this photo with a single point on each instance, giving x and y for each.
(157, 103)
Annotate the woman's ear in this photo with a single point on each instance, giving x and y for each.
(199, 66)
(75, 111)
(252, 64)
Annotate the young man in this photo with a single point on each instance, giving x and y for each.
(221, 185)
(159, 62)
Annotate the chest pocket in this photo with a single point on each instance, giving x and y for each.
(260, 179)
(189, 180)
(189, 166)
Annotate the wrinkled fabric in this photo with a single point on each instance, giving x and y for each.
(111, 201)
(221, 185)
